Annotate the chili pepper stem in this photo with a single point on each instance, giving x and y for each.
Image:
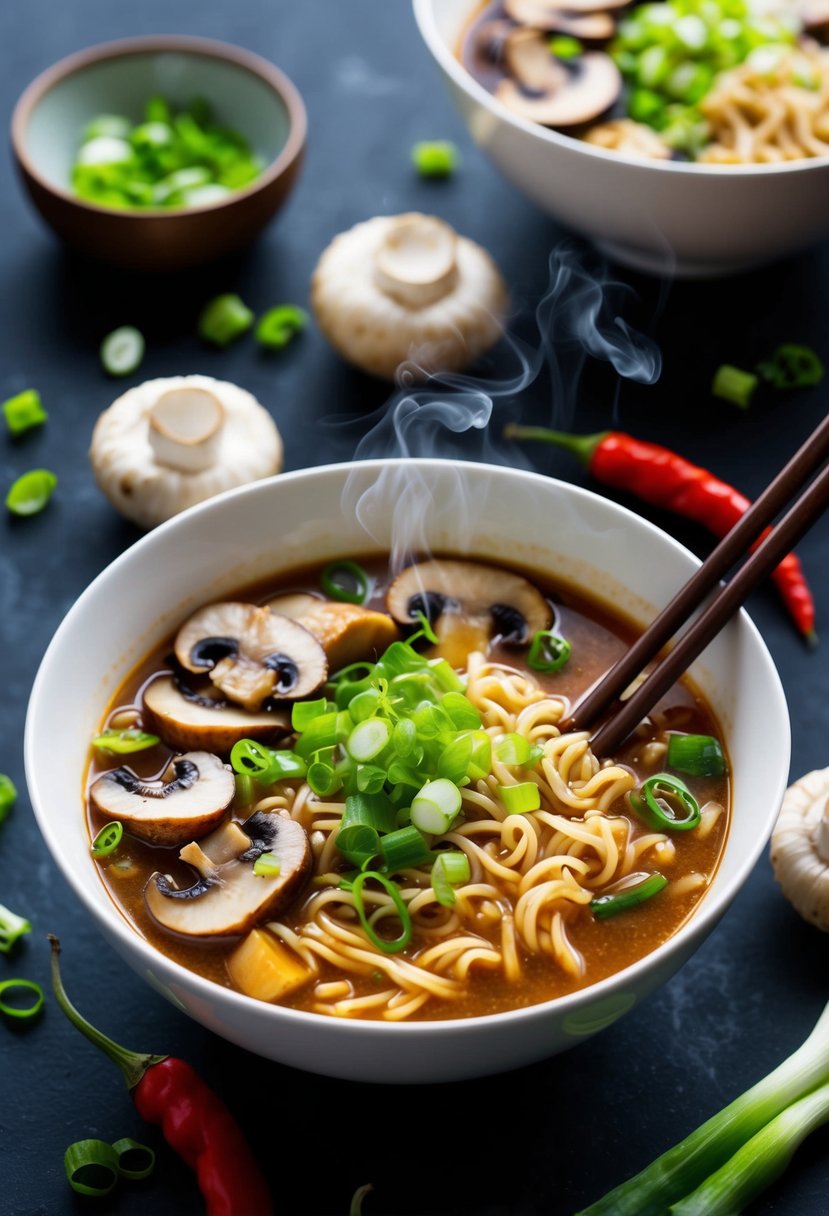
(811, 639)
(132, 1064)
(582, 446)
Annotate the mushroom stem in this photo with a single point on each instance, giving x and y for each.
(185, 429)
(417, 262)
(820, 835)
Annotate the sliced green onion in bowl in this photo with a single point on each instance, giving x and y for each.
(548, 651)
(108, 839)
(91, 1167)
(124, 742)
(224, 319)
(666, 804)
(135, 1161)
(122, 351)
(436, 806)
(368, 739)
(303, 713)
(699, 755)
(520, 799)
(449, 870)
(18, 990)
(250, 758)
(513, 749)
(31, 492)
(24, 411)
(279, 325)
(267, 865)
(404, 848)
(8, 795)
(395, 945)
(435, 158)
(636, 890)
(346, 581)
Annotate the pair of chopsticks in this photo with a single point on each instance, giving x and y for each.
(789, 482)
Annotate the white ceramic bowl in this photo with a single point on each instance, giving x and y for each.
(665, 217)
(275, 525)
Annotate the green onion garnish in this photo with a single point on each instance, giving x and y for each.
(107, 840)
(8, 795)
(513, 749)
(435, 158)
(521, 798)
(124, 742)
(627, 896)
(135, 1161)
(565, 47)
(121, 351)
(267, 865)
(91, 1167)
(359, 843)
(369, 739)
(548, 652)
(436, 806)
(403, 848)
(24, 412)
(450, 870)
(323, 778)
(31, 492)
(398, 943)
(733, 384)
(792, 366)
(279, 325)
(346, 581)
(699, 755)
(12, 928)
(224, 320)
(303, 713)
(249, 758)
(18, 990)
(666, 804)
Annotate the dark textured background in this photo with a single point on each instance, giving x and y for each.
(551, 1137)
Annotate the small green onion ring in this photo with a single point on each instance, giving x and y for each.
(124, 742)
(108, 839)
(792, 366)
(121, 351)
(8, 795)
(699, 755)
(135, 1161)
(605, 906)
(548, 651)
(31, 492)
(14, 1011)
(91, 1167)
(396, 944)
(651, 802)
(279, 325)
(337, 588)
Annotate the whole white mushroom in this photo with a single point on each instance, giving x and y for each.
(170, 443)
(800, 847)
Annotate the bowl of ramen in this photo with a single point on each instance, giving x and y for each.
(681, 136)
(327, 799)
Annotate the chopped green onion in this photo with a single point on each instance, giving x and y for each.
(633, 890)
(436, 806)
(548, 652)
(480, 762)
(135, 1161)
(12, 928)
(124, 742)
(224, 320)
(521, 798)
(699, 755)
(792, 366)
(267, 865)
(250, 758)
(246, 789)
(346, 581)
(323, 778)
(303, 713)
(91, 1167)
(404, 848)
(15, 988)
(404, 737)
(113, 125)
(461, 711)
(373, 809)
(31, 492)
(8, 795)
(157, 109)
(733, 384)
(513, 749)
(370, 778)
(435, 158)
(446, 676)
(24, 412)
(565, 47)
(122, 351)
(108, 839)
(396, 944)
(666, 804)
(359, 843)
(454, 760)
(449, 871)
(279, 325)
(320, 734)
(368, 739)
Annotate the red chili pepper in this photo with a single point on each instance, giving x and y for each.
(195, 1122)
(662, 478)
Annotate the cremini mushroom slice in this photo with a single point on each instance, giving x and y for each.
(408, 288)
(229, 897)
(186, 806)
(564, 93)
(468, 604)
(800, 847)
(346, 632)
(169, 443)
(251, 653)
(186, 719)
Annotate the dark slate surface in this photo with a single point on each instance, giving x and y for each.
(551, 1137)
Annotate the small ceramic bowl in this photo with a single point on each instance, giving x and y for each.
(320, 514)
(249, 94)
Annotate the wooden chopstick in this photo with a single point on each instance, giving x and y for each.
(783, 537)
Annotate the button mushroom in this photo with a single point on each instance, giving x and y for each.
(187, 719)
(251, 653)
(229, 897)
(346, 632)
(167, 444)
(468, 604)
(556, 92)
(800, 847)
(408, 287)
(168, 812)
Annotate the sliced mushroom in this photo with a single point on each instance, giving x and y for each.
(228, 897)
(186, 807)
(539, 13)
(468, 604)
(185, 719)
(565, 93)
(346, 632)
(251, 653)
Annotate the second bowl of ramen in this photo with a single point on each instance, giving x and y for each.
(408, 869)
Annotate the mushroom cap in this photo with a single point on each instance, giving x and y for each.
(247, 447)
(228, 898)
(800, 847)
(171, 812)
(578, 90)
(251, 653)
(371, 324)
(185, 722)
(346, 632)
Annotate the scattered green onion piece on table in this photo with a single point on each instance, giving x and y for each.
(404, 848)
(15, 988)
(124, 742)
(346, 581)
(548, 651)
(563, 46)
(8, 795)
(435, 806)
(520, 799)
(267, 865)
(24, 411)
(792, 366)
(279, 325)
(699, 755)
(91, 1167)
(31, 492)
(660, 797)
(449, 870)
(224, 319)
(135, 1161)
(395, 945)
(735, 385)
(12, 928)
(108, 839)
(122, 351)
(605, 906)
(435, 158)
